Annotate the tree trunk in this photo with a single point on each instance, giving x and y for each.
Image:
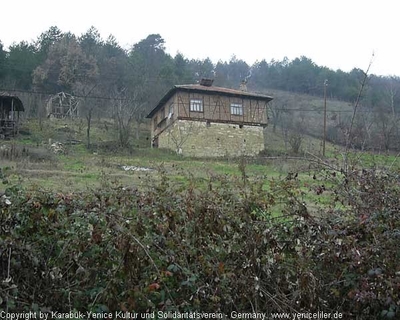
(40, 113)
(89, 121)
(137, 133)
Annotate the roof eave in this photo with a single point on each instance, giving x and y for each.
(232, 93)
(19, 105)
(163, 100)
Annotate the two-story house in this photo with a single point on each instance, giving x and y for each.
(202, 120)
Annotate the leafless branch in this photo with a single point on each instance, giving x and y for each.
(349, 133)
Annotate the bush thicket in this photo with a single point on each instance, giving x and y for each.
(214, 246)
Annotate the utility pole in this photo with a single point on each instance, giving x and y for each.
(323, 143)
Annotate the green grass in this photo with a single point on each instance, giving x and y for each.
(81, 169)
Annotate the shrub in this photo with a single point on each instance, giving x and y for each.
(17, 153)
(217, 248)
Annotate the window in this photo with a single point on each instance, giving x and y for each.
(196, 105)
(171, 111)
(236, 109)
(162, 113)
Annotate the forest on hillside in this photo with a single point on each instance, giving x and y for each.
(127, 84)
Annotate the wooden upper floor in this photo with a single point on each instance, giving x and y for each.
(210, 104)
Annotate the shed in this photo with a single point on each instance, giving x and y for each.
(10, 107)
(63, 105)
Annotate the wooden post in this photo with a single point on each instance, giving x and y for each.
(12, 108)
(12, 117)
(323, 144)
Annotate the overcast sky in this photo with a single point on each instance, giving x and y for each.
(339, 34)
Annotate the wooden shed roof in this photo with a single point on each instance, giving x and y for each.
(209, 90)
(6, 99)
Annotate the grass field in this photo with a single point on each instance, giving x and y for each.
(28, 161)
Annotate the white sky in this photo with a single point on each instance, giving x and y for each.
(339, 34)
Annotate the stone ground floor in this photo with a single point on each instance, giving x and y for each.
(205, 139)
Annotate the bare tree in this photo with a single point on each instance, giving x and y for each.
(126, 108)
(362, 129)
(387, 124)
(349, 133)
(275, 110)
(392, 90)
(68, 67)
(179, 133)
(293, 130)
(368, 121)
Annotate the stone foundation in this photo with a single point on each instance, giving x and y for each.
(201, 139)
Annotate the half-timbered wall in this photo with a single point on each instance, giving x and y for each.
(218, 108)
(164, 117)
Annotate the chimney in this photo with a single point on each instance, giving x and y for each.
(243, 86)
(206, 82)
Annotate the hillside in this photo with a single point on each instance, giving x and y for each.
(372, 129)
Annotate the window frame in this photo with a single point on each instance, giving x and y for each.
(237, 109)
(196, 105)
(171, 110)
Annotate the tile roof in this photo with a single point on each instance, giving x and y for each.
(198, 87)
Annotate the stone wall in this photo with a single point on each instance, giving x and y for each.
(202, 139)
